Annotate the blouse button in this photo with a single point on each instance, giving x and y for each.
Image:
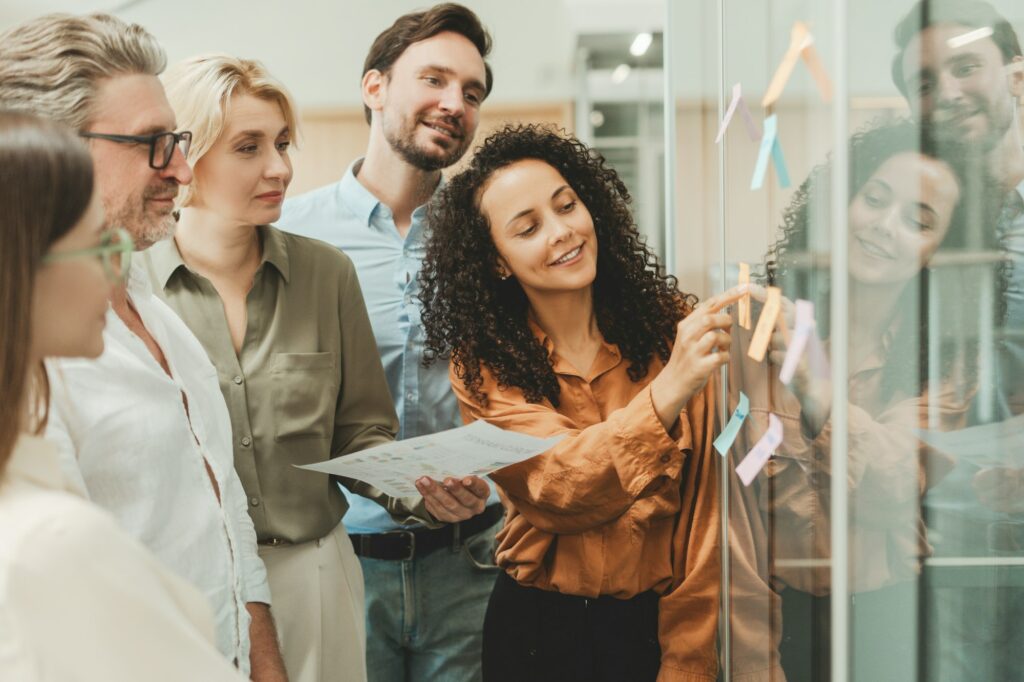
(246, 441)
(665, 458)
(237, 379)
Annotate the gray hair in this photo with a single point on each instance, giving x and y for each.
(52, 65)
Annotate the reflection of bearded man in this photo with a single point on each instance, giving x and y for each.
(991, 114)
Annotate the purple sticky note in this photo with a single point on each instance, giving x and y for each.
(761, 452)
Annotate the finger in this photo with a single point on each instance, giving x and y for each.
(462, 495)
(722, 340)
(440, 513)
(727, 297)
(758, 292)
(477, 486)
(434, 492)
(706, 343)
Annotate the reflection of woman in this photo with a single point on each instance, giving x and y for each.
(906, 205)
(80, 600)
(559, 322)
(283, 319)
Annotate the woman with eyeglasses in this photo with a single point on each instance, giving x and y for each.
(80, 599)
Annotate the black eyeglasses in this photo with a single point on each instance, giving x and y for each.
(161, 145)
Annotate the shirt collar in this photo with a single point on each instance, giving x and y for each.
(35, 460)
(608, 357)
(362, 201)
(165, 258)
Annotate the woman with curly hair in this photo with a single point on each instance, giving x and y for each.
(908, 206)
(559, 321)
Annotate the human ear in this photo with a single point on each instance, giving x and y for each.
(373, 87)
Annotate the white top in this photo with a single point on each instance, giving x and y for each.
(126, 441)
(80, 599)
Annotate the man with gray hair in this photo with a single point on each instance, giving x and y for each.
(144, 430)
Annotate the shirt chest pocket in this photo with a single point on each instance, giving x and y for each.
(305, 392)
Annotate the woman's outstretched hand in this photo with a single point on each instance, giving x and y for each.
(701, 346)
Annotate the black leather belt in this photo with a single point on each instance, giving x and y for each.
(405, 545)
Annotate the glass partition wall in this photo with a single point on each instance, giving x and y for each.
(884, 538)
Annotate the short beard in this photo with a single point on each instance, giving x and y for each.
(403, 142)
(145, 230)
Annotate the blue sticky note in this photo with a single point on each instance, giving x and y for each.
(770, 147)
(732, 429)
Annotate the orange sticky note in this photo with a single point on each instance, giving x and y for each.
(765, 324)
(801, 45)
(796, 43)
(817, 69)
(743, 309)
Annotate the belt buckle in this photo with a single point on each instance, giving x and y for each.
(412, 543)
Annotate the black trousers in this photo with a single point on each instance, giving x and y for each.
(533, 635)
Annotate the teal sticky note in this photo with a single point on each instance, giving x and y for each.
(770, 147)
(732, 429)
(767, 146)
(780, 163)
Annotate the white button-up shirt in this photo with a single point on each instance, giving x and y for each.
(80, 600)
(127, 441)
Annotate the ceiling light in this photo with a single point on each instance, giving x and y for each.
(640, 44)
(621, 73)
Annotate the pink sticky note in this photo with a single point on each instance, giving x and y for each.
(804, 328)
(738, 103)
(761, 452)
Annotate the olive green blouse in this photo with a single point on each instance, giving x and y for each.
(307, 385)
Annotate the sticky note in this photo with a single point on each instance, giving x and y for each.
(748, 120)
(801, 45)
(759, 455)
(765, 324)
(743, 309)
(804, 327)
(770, 147)
(728, 435)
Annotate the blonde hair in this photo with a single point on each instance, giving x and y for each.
(200, 90)
(51, 66)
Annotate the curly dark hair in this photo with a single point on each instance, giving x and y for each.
(478, 319)
(791, 261)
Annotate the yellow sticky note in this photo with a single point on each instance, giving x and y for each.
(797, 38)
(817, 69)
(765, 324)
(801, 46)
(743, 309)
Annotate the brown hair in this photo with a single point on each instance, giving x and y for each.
(416, 26)
(46, 184)
(967, 13)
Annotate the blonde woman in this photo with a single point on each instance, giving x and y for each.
(283, 319)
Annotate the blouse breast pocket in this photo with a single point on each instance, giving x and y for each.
(305, 392)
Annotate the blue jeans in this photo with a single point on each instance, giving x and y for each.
(425, 617)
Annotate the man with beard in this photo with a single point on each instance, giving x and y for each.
(144, 430)
(960, 67)
(424, 80)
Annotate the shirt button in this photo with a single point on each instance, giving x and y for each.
(237, 379)
(254, 501)
(246, 441)
(410, 396)
(665, 458)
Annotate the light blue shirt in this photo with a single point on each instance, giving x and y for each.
(346, 215)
